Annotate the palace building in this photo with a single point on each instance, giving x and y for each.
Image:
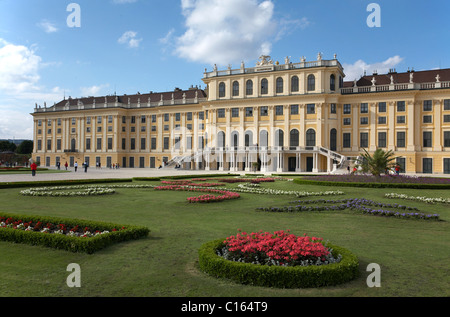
(296, 117)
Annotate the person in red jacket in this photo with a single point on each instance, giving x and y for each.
(33, 168)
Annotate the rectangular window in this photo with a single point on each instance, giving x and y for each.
(39, 145)
(153, 143)
(364, 120)
(189, 126)
(381, 107)
(166, 117)
(143, 143)
(58, 144)
(49, 145)
(278, 110)
(427, 105)
(124, 144)
(132, 144)
(189, 116)
(427, 139)
(74, 121)
(110, 143)
(401, 119)
(364, 108)
(143, 119)
(347, 121)
(166, 143)
(201, 115)
(189, 143)
(221, 113)
(124, 119)
(310, 108)
(110, 119)
(235, 112)
(447, 166)
(381, 120)
(294, 109)
(401, 161)
(99, 119)
(88, 144)
(401, 139)
(249, 112)
(133, 119)
(333, 108)
(177, 116)
(447, 118)
(381, 139)
(363, 139)
(263, 111)
(447, 104)
(427, 165)
(400, 106)
(153, 128)
(427, 119)
(153, 117)
(88, 118)
(166, 127)
(347, 109)
(346, 140)
(446, 138)
(99, 143)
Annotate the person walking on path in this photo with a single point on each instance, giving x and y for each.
(66, 165)
(33, 168)
(85, 166)
(76, 166)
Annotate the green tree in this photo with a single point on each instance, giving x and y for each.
(26, 147)
(7, 146)
(377, 163)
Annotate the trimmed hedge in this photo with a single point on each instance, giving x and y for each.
(63, 182)
(69, 243)
(277, 276)
(372, 184)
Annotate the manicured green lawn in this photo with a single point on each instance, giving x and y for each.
(413, 255)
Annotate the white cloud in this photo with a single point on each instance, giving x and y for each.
(288, 26)
(130, 39)
(356, 70)
(222, 32)
(93, 90)
(19, 67)
(47, 26)
(20, 89)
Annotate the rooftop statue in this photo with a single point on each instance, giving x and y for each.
(264, 60)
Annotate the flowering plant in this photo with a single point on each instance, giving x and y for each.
(278, 248)
(225, 194)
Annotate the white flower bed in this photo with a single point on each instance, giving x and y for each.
(427, 200)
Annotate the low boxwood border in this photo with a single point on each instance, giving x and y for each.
(372, 184)
(64, 182)
(277, 276)
(68, 243)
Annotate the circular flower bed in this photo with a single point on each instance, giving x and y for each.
(223, 194)
(280, 259)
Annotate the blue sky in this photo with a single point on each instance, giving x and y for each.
(126, 46)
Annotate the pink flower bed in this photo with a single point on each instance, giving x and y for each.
(207, 198)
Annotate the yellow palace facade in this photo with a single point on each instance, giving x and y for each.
(272, 117)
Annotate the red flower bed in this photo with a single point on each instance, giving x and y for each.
(246, 180)
(278, 248)
(224, 195)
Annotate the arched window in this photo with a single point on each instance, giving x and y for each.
(263, 138)
(248, 138)
(221, 139)
(279, 85)
(332, 83)
(235, 88)
(294, 138)
(249, 88)
(222, 90)
(310, 137)
(294, 84)
(264, 87)
(235, 139)
(311, 83)
(279, 137)
(333, 139)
